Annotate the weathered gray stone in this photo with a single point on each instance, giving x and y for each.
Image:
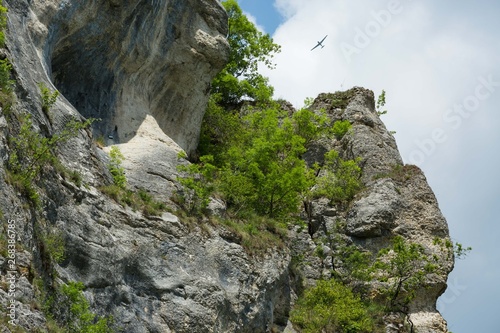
(395, 200)
(151, 160)
(123, 62)
(374, 214)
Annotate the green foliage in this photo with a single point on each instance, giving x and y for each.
(331, 307)
(401, 173)
(100, 141)
(118, 191)
(308, 102)
(399, 271)
(453, 249)
(115, 167)
(31, 152)
(200, 181)
(381, 103)
(6, 84)
(355, 265)
(404, 267)
(54, 245)
(48, 98)
(309, 125)
(340, 128)
(256, 234)
(460, 251)
(220, 129)
(80, 319)
(340, 99)
(76, 177)
(341, 179)
(267, 166)
(140, 200)
(248, 48)
(3, 23)
(257, 163)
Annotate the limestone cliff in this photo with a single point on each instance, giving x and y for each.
(144, 67)
(123, 60)
(389, 205)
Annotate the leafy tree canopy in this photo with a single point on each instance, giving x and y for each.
(249, 48)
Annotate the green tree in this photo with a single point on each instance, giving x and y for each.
(331, 307)
(249, 48)
(80, 319)
(310, 125)
(115, 167)
(268, 160)
(3, 23)
(6, 84)
(381, 103)
(48, 98)
(341, 179)
(404, 268)
(258, 160)
(220, 129)
(31, 152)
(200, 182)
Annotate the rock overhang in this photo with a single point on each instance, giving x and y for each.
(120, 61)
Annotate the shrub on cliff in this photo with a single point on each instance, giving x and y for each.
(341, 180)
(115, 167)
(3, 23)
(331, 306)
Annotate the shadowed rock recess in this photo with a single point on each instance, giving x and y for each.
(144, 68)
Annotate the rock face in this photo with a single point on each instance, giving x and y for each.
(120, 61)
(144, 67)
(396, 200)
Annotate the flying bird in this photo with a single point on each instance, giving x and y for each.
(320, 43)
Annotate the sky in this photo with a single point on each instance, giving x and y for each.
(439, 63)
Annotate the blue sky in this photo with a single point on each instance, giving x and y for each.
(439, 63)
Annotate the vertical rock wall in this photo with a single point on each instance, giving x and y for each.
(389, 204)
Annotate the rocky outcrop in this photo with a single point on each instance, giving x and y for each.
(144, 68)
(157, 275)
(120, 61)
(396, 200)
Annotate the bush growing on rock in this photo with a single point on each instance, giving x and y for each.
(80, 319)
(3, 23)
(340, 128)
(48, 98)
(331, 306)
(341, 180)
(115, 167)
(31, 152)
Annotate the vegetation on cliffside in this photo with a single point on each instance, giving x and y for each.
(251, 148)
(251, 156)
